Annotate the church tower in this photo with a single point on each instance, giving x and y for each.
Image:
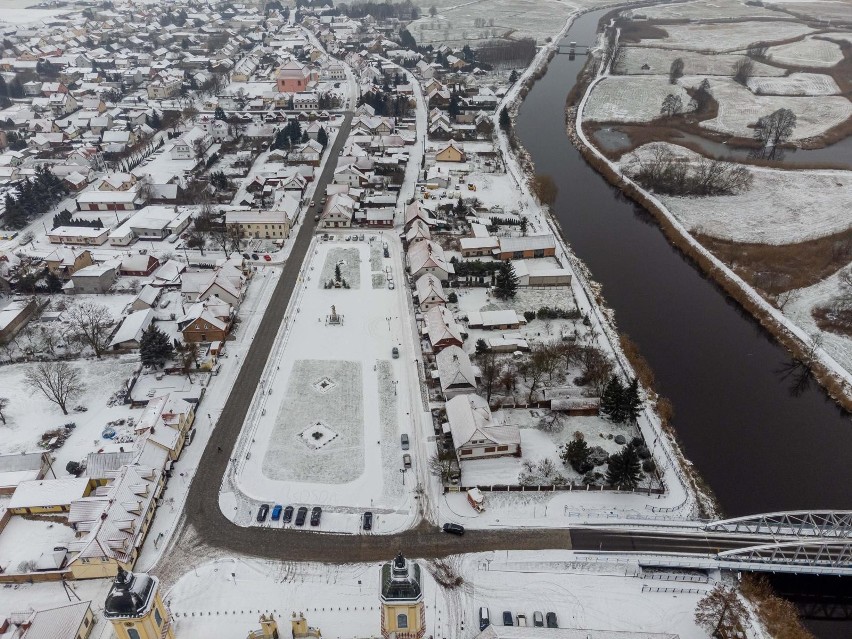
(403, 610)
(135, 608)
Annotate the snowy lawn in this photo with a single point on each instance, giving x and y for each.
(320, 393)
(694, 63)
(782, 207)
(388, 412)
(630, 99)
(350, 267)
(812, 51)
(739, 108)
(24, 540)
(795, 84)
(728, 37)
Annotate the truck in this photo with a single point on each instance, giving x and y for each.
(476, 499)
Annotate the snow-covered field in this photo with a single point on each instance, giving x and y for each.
(812, 51)
(694, 63)
(703, 9)
(728, 37)
(630, 99)
(795, 84)
(739, 108)
(349, 260)
(782, 207)
(24, 540)
(343, 601)
(339, 381)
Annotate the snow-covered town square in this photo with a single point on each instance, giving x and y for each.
(483, 320)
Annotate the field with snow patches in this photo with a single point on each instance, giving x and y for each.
(799, 309)
(703, 10)
(628, 99)
(739, 108)
(29, 414)
(838, 35)
(782, 207)
(795, 84)
(727, 37)
(809, 52)
(695, 63)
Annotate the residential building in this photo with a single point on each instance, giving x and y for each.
(429, 291)
(525, 247)
(474, 433)
(129, 334)
(80, 235)
(97, 278)
(64, 262)
(450, 153)
(456, 374)
(71, 621)
(264, 223)
(428, 257)
(14, 315)
(46, 496)
(442, 329)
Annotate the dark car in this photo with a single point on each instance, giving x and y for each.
(367, 523)
(454, 529)
(484, 618)
(288, 515)
(550, 619)
(262, 512)
(276, 512)
(316, 513)
(507, 618)
(301, 514)
(254, 256)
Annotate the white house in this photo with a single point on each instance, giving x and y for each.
(474, 432)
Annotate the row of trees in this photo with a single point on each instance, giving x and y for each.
(33, 197)
(624, 468)
(65, 218)
(662, 171)
(619, 402)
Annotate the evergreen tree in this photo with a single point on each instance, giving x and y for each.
(631, 402)
(155, 347)
(454, 108)
(53, 283)
(481, 346)
(16, 89)
(154, 121)
(624, 469)
(513, 76)
(506, 282)
(219, 114)
(612, 400)
(576, 454)
(505, 120)
(322, 137)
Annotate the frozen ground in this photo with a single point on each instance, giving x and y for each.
(703, 9)
(630, 99)
(343, 377)
(795, 84)
(342, 601)
(782, 207)
(739, 108)
(694, 63)
(725, 37)
(811, 51)
(24, 540)
(799, 310)
(349, 260)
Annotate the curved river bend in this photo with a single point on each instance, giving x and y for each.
(762, 444)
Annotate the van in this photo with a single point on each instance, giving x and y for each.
(484, 619)
(189, 437)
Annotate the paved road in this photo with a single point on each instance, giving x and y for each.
(426, 541)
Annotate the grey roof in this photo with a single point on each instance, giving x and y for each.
(99, 464)
(58, 623)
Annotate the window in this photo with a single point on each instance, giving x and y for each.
(518, 255)
(86, 622)
(402, 620)
(467, 452)
(500, 449)
(489, 449)
(538, 253)
(133, 633)
(157, 618)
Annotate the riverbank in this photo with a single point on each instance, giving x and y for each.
(833, 377)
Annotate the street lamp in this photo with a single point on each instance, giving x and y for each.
(402, 470)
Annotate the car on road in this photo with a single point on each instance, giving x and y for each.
(276, 513)
(316, 514)
(361, 237)
(406, 461)
(288, 515)
(391, 286)
(247, 256)
(507, 618)
(521, 620)
(484, 618)
(313, 204)
(395, 352)
(538, 619)
(267, 257)
(457, 529)
(404, 441)
(550, 619)
(262, 512)
(301, 515)
(367, 521)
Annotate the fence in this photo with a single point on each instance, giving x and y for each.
(662, 576)
(570, 486)
(688, 591)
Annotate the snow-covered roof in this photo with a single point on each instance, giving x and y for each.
(441, 326)
(470, 420)
(48, 492)
(428, 255)
(427, 285)
(132, 326)
(58, 623)
(455, 369)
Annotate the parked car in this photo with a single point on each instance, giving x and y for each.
(521, 620)
(267, 257)
(404, 439)
(484, 618)
(288, 515)
(507, 618)
(550, 618)
(367, 521)
(301, 515)
(316, 514)
(454, 529)
(313, 204)
(391, 286)
(276, 512)
(262, 512)
(538, 619)
(254, 256)
(395, 352)
(406, 461)
(361, 237)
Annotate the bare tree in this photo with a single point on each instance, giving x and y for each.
(720, 611)
(490, 369)
(758, 51)
(672, 105)
(597, 367)
(189, 358)
(535, 368)
(438, 466)
(4, 402)
(675, 70)
(772, 131)
(846, 278)
(743, 70)
(782, 299)
(59, 381)
(92, 324)
(545, 189)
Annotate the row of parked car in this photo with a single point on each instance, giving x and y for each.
(538, 620)
(286, 514)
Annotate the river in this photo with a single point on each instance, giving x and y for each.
(761, 442)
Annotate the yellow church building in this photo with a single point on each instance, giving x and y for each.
(403, 610)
